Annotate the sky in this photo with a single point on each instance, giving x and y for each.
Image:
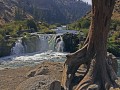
(89, 1)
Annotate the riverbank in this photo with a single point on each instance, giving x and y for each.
(31, 78)
(38, 77)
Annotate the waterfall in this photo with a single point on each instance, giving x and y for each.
(59, 44)
(44, 43)
(18, 48)
(52, 42)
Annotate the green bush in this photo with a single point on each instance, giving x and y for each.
(114, 44)
(114, 48)
(1, 37)
(85, 23)
(80, 24)
(32, 25)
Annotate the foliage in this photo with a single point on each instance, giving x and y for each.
(115, 24)
(1, 37)
(114, 44)
(5, 46)
(17, 28)
(80, 24)
(52, 27)
(47, 31)
(114, 37)
(57, 12)
(71, 42)
(11, 31)
(32, 25)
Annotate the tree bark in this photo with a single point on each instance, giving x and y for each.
(94, 53)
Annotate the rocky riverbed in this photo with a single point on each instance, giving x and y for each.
(38, 77)
(31, 78)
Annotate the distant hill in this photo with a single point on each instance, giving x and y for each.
(9, 10)
(84, 22)
(113, 42)
(51, 11)
(116, 12)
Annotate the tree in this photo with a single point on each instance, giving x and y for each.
(94, 53)
(85, 23)
(32, 25)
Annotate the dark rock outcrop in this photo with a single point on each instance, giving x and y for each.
(71, 42)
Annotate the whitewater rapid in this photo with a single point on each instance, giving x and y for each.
(36, 58)
(49, 47)
(31, 59)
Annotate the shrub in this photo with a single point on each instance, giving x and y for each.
(32, 25)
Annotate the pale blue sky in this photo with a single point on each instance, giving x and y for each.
(89, 1)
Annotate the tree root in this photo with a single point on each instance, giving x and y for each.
(71, 66)
(93, 82)
(90, 80)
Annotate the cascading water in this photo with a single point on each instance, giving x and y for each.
(18, 48)
(59, 44)
(49, 42)
(50, 47)
(52, 42)
(43, 43)
(46, 42)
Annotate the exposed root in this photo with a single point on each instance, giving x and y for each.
(90, 81)
(71, 66)
(100, 74)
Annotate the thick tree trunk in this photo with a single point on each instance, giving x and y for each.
(94, 53)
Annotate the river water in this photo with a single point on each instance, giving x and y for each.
(50, 49)
(31, 59)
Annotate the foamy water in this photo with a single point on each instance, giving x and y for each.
(31, 59)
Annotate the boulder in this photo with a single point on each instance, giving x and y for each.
(38, 71)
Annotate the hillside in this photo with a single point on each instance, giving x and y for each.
(84, 22)
(114, 35)
(51, 11)
(8, 11)
(116, 12)
(55, 11)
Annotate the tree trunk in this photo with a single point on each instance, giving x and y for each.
(100, 73)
